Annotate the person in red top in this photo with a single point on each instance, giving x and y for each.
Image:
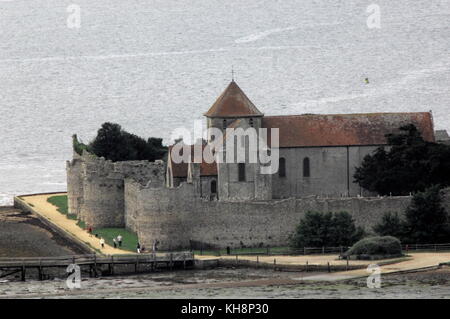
(90, 231)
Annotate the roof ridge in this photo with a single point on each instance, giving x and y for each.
(343, 114)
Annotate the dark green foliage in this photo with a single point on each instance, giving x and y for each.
(386, 245)
(115, 144)
(412, 164)
(390, 225)
(326, 229)
(78, 146)
(426, 219)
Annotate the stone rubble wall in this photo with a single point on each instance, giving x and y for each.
(133, 195)
(96, 190)
(177, 219)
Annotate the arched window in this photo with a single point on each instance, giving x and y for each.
(213, 187)
(282, 167)
(306, 167)
(241, 172)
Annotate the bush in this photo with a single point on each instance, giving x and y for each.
(385, 245)
(78, 147)
(326, 229)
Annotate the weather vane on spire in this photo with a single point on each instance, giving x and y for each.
(232, 73)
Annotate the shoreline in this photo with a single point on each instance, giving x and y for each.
(235, 283)
(23, 234)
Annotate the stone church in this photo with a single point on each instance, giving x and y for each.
(218, 204)
(318, 153)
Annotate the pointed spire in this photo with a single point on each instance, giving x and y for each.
(233, 103)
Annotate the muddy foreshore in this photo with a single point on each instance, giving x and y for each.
(23, 235)
(233, 283)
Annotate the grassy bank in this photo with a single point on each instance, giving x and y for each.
(129, 239)
(60, 201)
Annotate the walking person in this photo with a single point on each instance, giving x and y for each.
(102, 242)
(119, 240)
(138, 248)
(115, 243)
(90, 231)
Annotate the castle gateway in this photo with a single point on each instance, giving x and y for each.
(217, 204)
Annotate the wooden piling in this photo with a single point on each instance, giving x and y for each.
(23, 271)
(112, 265)
(136, 264)
(40, 269)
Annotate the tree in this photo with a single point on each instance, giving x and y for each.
(411, 164)
(115, 144)
(326, 229)
(426, 218)
(390, 225)
(344, 231)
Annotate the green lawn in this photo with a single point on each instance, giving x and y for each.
(129, 239)
(60, 201)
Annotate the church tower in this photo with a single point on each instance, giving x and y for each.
(231, 105)
(239, 179)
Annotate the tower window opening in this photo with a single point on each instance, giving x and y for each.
(282, 167)
(306, 167)
(241, 172)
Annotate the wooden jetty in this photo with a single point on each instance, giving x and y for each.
(97, 264)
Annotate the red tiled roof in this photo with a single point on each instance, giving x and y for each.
(181, 169)
(233, 103)
(345, 129)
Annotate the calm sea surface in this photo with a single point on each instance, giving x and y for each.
(155, 65)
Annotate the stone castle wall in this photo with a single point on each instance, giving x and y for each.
(74, 185)
(96, 190)
(178, 219)
(133, 195)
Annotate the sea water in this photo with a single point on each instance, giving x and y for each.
(152, 66)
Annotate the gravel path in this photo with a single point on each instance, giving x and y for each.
(49, 211)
